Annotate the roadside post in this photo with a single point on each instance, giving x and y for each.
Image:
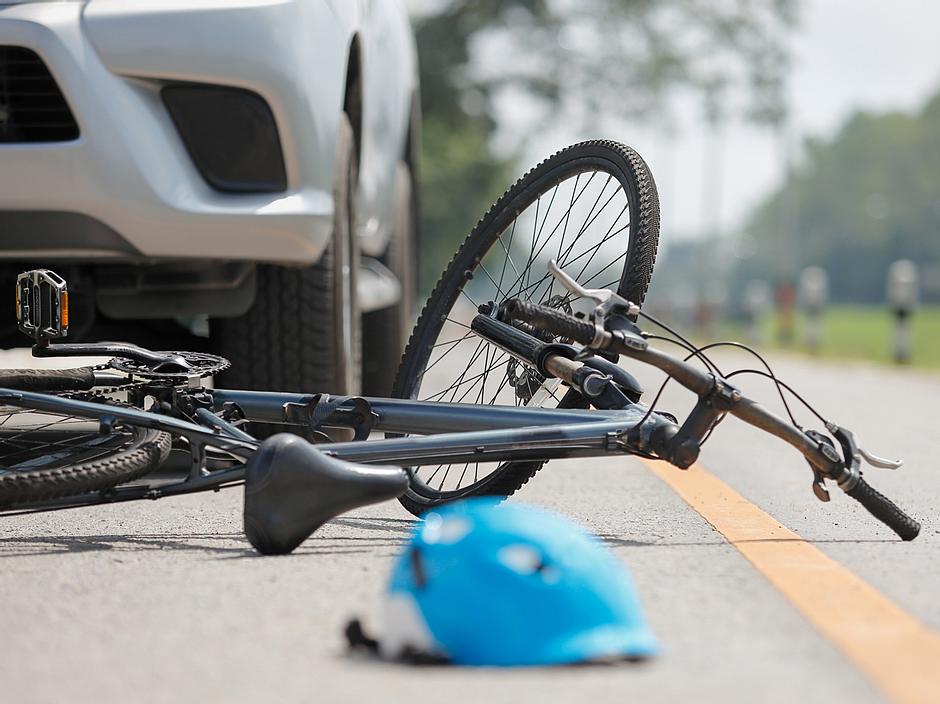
(902, 298)
(784, 299)
(756, 302)
(714, 298)
(684, 304)
(814, 292)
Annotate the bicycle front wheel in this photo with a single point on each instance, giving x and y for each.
(592, 207)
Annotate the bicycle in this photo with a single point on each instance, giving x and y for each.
(541, 371)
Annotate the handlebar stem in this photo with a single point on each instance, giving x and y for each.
(682, 450)
(615, 333)
(702, 383)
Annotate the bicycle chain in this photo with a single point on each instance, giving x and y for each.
(100, 391)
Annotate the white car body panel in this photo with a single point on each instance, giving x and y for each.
(129, 168)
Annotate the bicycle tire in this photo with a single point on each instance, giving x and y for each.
(291, 338)
(48, 380)
(140, 451)
(633, 176)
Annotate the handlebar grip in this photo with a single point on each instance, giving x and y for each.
(551, 320)
(882, 508)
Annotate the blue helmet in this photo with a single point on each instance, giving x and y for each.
(487, 584)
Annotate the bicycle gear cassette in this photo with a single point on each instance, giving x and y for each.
(201, 365)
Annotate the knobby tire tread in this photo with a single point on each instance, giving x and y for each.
(644, 239)
(286, 340)
(148, 452)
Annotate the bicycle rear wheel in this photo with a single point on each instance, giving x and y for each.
(47, 455)
(593, 207)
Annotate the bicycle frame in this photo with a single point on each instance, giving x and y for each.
(449, 433)
(457, 432)
(446, 433)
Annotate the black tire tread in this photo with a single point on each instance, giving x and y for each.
(144, 456)
(296, 342)
(640, 273)
(286, 340)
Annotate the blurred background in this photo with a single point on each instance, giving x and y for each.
(795, 144)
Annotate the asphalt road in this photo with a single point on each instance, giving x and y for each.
(166, 602)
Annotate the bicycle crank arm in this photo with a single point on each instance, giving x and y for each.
(159, 362)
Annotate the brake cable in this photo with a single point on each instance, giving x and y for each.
(696, 351)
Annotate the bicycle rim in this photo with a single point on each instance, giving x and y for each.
(45, 455)
(593, 209)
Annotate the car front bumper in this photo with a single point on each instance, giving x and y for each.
(129, 172)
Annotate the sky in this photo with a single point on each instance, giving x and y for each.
(876, 55)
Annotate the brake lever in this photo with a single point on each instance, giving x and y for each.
(826, 446)
(858, 452)
(852, 456)
(879, 462)
(607, 301)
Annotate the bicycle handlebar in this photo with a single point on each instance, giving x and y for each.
(552, 320)
(885, 510)
(821, 457)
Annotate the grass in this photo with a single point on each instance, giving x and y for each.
(866, 333)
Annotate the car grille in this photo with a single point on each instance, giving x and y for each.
(32, 108)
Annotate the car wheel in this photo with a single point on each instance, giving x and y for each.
(302, 332)
(392, 325)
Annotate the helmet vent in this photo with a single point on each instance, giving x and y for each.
(445, 531)
(520, 558)
(525, 559)
(417, 567)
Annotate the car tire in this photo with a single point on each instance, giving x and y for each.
(303, 331)
(393, 325)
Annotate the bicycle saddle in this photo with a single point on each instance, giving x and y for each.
(292, 488)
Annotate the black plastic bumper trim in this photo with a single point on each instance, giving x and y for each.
(26, 231)
(231, 136)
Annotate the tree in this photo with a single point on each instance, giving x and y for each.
(858, 202)
(579, 60)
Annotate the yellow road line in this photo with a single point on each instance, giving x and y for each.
(895, 651)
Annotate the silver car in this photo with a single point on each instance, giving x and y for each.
(240, 167)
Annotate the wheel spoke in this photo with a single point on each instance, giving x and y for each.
(438, 360)
(40, 440)
(533, 258)
(562, 263)
(582, 220)
(463, 374)
(508, 257)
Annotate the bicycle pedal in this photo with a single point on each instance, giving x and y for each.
(42, 304)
